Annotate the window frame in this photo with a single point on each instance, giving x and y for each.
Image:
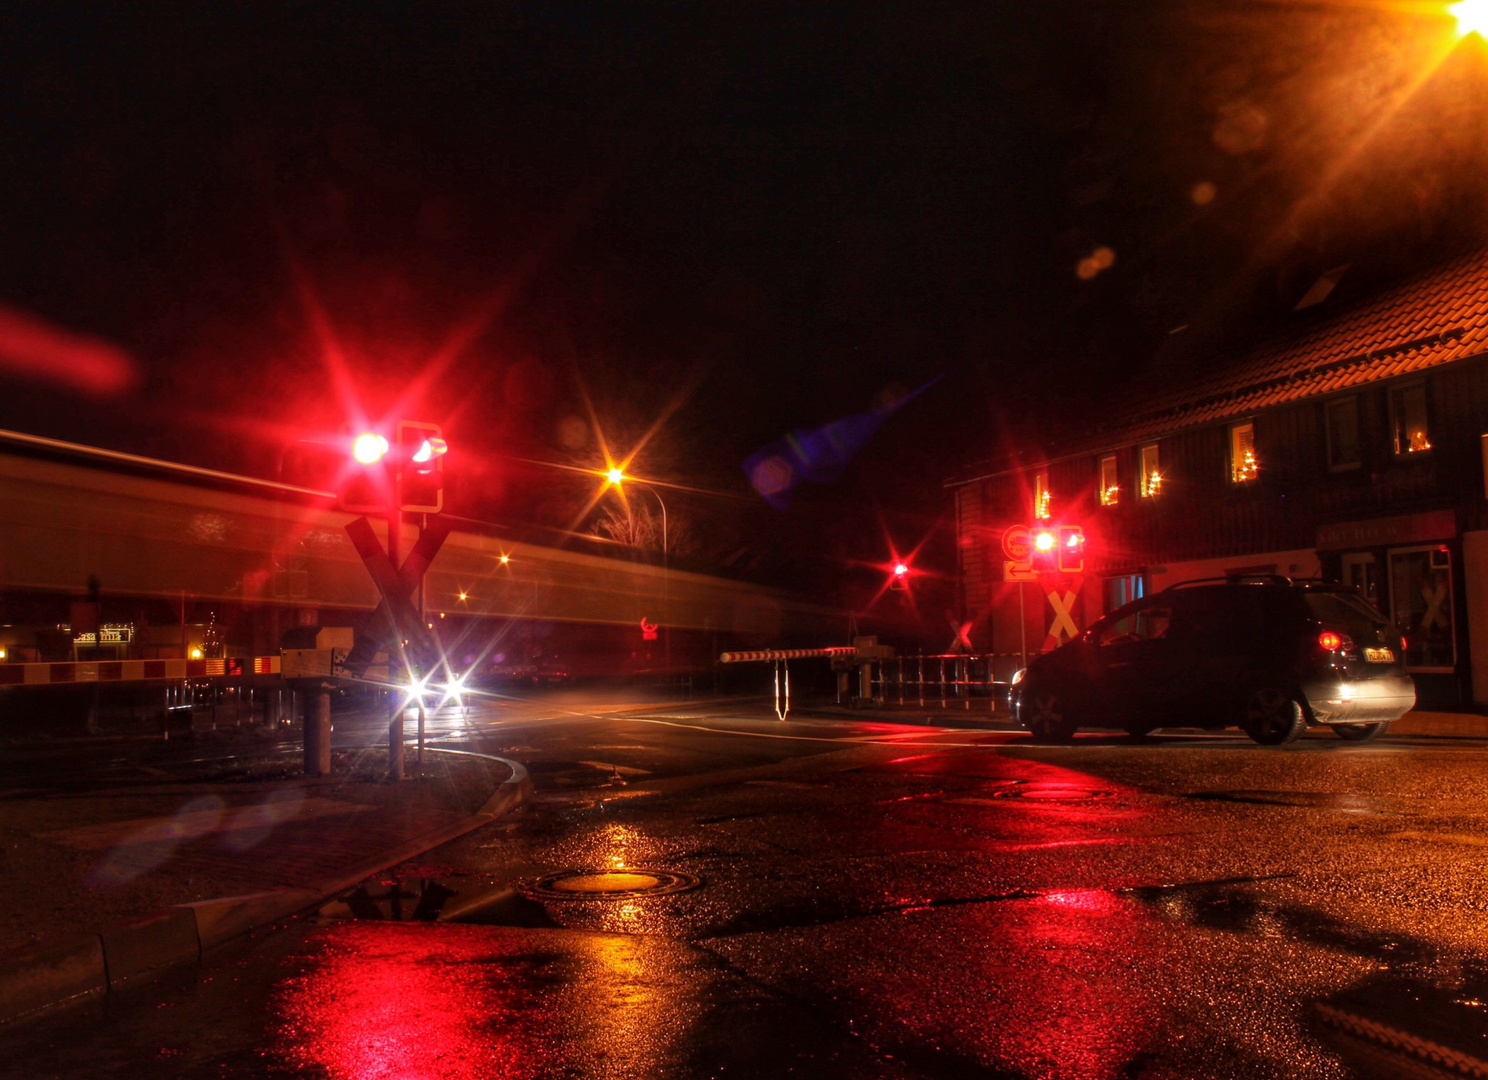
(1042, 496)
(1233, 430)
(1143, 494)
(1395, 393)
(1329, 406)
(1109, 493)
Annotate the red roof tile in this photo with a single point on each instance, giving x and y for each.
(1436, 318)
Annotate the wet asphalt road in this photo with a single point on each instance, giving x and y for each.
(868, 900)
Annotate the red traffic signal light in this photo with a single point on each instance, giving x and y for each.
(1071, 549)
(1059, 549)
(365, 484)
(420, 450)
(900, 580)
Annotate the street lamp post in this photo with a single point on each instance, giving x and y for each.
(616, 476)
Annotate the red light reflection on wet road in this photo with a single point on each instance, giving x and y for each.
(411, 1002)
(1059, 982)
(1079, 1008)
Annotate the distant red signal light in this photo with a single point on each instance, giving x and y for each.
(900, 569)
(1044, 540)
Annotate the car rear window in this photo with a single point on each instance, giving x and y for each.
(1344, 611)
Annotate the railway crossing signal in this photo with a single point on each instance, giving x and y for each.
(419, 449)
(404, 475)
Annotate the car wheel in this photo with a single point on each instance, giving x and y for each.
(1361, 732)
(1271, 715)
(1043, 713)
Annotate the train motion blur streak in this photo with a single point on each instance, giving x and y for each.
(263, 557)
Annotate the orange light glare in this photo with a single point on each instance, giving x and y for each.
(368, 448)
(505, 559)
(1471, 16)
(614, 476)
(1044, 541)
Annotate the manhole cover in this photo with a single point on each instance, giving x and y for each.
(624, 884)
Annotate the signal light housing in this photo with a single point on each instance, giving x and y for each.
(420, 455)
(366, 484)
(1071, 557)
(1059, 549)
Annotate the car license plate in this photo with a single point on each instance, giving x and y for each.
(1379, 656)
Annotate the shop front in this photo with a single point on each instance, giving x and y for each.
(1407, 565)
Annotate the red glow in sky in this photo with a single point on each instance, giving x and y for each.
(34, 349)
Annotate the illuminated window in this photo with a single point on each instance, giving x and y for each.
(1342, 422)
(1110, 488)
(1041, 496)
(1408, 419)
(1149, 476)
(1243, 465)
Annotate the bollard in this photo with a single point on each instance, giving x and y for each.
(395, 739)
(317, 732)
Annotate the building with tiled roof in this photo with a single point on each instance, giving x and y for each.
(1349, 444)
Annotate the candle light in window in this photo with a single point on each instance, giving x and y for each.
(1043, 505)
(1111, 495)
(1418, 441)
(1247, 468)
(1154, 484)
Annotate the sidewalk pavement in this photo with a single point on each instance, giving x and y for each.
(146, 872)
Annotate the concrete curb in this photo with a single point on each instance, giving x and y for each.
(37, 980)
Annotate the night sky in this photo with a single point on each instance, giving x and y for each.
(741, 219)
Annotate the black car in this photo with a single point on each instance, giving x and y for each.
(1268, 654)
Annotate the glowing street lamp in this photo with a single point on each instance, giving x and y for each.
(1471, 16)
(615, 476)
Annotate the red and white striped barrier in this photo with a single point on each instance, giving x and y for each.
(785, 654)
(117, 671)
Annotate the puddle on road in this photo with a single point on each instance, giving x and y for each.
(485, 902)
(1425, 1003)
(1321, 800)
(461, 900)
(1024, 790)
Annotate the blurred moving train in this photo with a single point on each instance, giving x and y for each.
(106, 555)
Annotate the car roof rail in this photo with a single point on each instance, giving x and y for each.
(1243, 578)
(1232, 579)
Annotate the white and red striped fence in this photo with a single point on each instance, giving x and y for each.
(121, 671)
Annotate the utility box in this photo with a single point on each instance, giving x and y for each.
(313, 652)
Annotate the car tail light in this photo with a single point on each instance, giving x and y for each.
(1333, 641)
